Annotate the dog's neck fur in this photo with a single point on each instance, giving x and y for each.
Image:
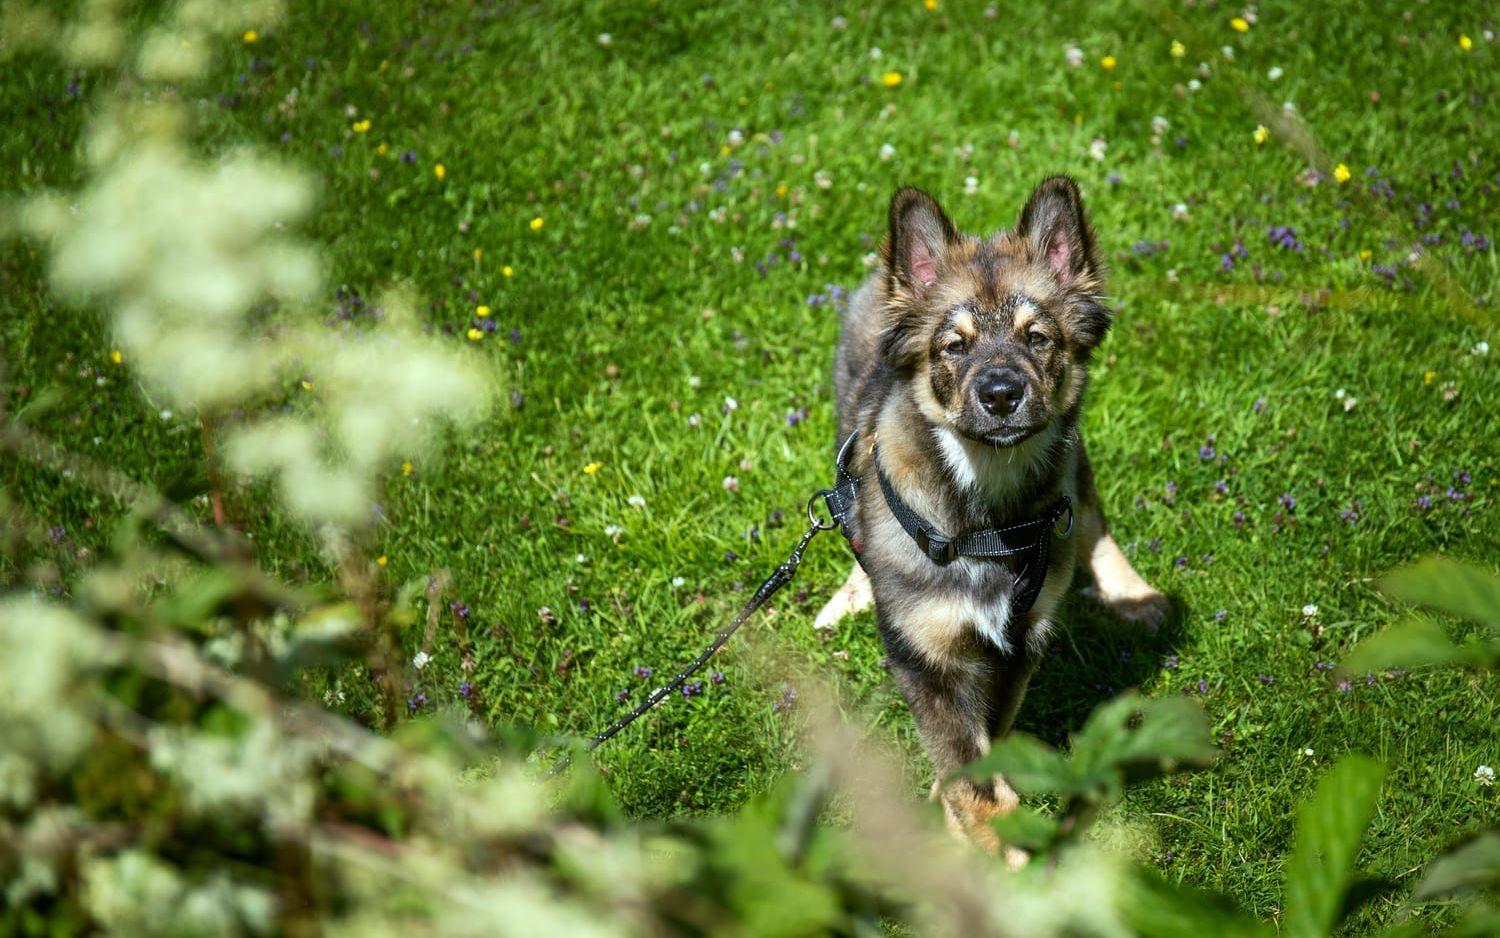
(970, 484)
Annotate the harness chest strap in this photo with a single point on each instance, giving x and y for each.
(1030, 539)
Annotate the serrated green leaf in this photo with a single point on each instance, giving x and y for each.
(1414, 643)
(1473, 864)
(1030, 766)
(1132, 739)
(1026, 829)
(1459, 589)
(1330, 826)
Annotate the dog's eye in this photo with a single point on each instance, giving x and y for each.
(953, 344)
(1038, 340)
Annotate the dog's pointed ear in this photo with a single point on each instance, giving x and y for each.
(919, 238)
(1054, 225)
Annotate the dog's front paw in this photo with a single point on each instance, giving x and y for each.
(1150, 608)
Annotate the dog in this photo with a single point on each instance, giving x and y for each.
(960, 373)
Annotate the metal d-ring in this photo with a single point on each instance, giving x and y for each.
(812, 518)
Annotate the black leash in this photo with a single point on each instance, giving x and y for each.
(780, 577)
(1032, 538)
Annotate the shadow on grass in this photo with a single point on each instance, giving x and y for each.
(1095, 657)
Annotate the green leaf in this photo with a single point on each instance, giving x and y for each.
(1029, 766)
(1026, 829)
(1459, 589)
(1330, 826)
(1131, 739)
(1474, 864)
(1414, 643)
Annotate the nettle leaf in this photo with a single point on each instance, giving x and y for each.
(1459, 589)
(1330, 826)
(1029, 766)
(1417, 643)
(1131, 739)
(1474, 864)
(1027, 829)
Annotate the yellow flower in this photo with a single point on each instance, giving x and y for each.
(1365, 254)
(1341, 174)
(482, 312)
(251, 36)
(381, 560)
(115, 356)
(537, 223)
(1429, 377)
(1108, 62)
(307, 385)
(1465, 43)
(385, 65)
(1239, 25)
(478, 253)
(475, 335)
(406, 468)
(930, 4)
(781, 190)
(1178, 49)
(593, 467)
(724, 149)
(440, 171)
(382, 149)
(361, 127)
(1261, 134)
(891, 79)
(506, 271)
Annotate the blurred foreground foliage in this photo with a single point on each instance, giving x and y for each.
(161, 771)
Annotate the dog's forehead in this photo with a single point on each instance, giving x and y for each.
(995, 280)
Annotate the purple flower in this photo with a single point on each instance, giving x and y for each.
(1345, 687)
(416, 701)
(57, 532)
(717, 677)
(1221, 615)
(1265, 678)
(787, 701)
(643, 672)
(1205, 452)
(1202, 686)
(1239, 517)
(1287, 501)
(1171, 663)
(1324, 666)
(621, 695)
(409, 157)
(1222, 486)
(692, 689)
(1424, 503)
(459, 609)
(1259, 406)
(466, 690)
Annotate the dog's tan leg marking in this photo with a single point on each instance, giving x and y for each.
(1117, 586)
(854, 596)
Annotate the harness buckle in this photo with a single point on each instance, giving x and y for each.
(942, 550)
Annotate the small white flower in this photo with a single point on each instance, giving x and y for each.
(1074, 55)
(1340, 394)
(1171, 275)
(1308, 751)
(887, 151)
(706, 168)
(605, 39)
(1159, 125)
(1228, 52)
(839, 24)
(1350, 403)
(731, 404)
(971, 185)
(822, 179)
(1180, 211)
(1309, 610)
(1274, 73)
(1485, 776)
(1097, 147)
(1480, 348)
(870, 259)
(1194, 84)
(613, 531)
(736, 137)
(420, 659)
(1013, 139)
(166, 414)
(694, 381)
(580, 559)
(731, 484)
(677, 581)
(695, 420)
(1288, 107)
(875, 53)
(636, 501)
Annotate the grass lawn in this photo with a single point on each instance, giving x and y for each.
(661, 204)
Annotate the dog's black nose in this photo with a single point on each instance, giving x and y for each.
(1001, 391)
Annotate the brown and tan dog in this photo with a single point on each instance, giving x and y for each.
(962, 366)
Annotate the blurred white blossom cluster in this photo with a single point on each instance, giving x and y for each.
(210, 295)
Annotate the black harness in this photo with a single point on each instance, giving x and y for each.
(1030, 540)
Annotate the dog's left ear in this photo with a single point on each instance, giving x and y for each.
(1054, 226)
(1053, 223)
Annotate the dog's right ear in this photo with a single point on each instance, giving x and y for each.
(919, 237)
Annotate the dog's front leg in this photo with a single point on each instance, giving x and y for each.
(1117, 585)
